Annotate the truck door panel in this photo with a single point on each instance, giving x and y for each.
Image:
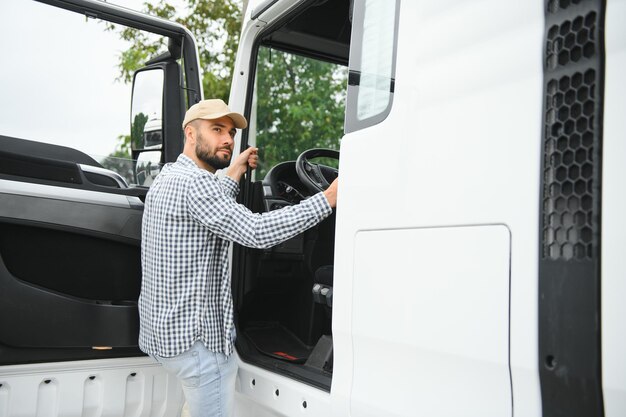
(70, 210)
(69, 268)
(430, 323)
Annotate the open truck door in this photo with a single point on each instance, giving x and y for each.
(461, 274)
(70, 221)
(355, 317)
(479, 147)
(365, 315)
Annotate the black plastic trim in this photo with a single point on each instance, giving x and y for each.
(46, 150)
(39, 168)
(172, 111)
(570, 355)
(354, 79)
(312, 377)
(101, 220)
(10, 355)
(31, 316)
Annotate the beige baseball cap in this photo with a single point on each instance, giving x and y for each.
(213, 109)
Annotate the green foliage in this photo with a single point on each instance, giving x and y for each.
(300, 101)
(216, 26)
(300, 105)
(136, 131)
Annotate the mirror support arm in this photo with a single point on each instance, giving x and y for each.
(173, 111)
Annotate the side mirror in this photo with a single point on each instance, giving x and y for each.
(146, 123)
(148, 166)
(157, 110)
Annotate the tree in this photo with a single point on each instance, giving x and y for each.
(216, 26)
(300, 105)
(300, 101)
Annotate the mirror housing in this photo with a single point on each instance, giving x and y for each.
(157, 110)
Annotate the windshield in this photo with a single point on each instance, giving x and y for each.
(299, 105)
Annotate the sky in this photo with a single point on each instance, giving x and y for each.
(57, 78)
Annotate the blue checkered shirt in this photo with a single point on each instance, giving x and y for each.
(190, 218)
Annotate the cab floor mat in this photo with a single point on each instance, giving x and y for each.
(274, 340)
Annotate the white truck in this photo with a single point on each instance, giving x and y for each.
(475, 263)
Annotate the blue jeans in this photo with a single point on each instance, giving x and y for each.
(208, 380)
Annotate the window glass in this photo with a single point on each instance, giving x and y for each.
(146, 111)
(372, 63)
(376, 59)
(61, 84)
(299, 104)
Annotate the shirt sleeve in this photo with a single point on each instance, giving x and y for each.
(230, 186)
(212, 206)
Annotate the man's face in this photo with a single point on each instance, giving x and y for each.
(215, 141)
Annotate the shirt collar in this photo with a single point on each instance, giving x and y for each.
(186, 161)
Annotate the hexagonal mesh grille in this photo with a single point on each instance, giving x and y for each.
(570, 110)
(568, 167)
(569, 290)
(557, 5)
(571, 41)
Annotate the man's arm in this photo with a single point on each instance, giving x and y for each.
(222, 215)
(250, 158)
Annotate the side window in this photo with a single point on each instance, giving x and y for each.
(62, 86)
(298, 104)
(372, 63)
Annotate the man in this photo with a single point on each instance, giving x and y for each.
(190, 218)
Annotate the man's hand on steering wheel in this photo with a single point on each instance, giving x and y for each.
(316, 177)
(331, 193)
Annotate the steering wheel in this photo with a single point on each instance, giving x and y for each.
(316, 177)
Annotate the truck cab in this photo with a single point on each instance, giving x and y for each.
(473, 266)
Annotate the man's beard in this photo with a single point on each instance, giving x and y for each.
(211, 159)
